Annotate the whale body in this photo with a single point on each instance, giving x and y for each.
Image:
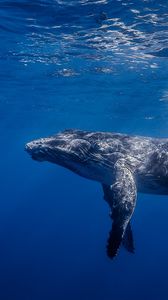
(123, 164)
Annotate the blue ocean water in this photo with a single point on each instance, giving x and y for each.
(95, 65)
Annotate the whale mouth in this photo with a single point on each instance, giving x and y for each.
(37, 157)
(35, 152)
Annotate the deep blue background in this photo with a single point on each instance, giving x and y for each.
(98, 65)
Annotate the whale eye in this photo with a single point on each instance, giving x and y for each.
(95, 147)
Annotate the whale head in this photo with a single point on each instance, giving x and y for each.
(67, 149)
(76, 150)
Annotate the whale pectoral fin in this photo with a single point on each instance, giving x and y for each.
(128, 240)
(121, 196)
(108, 195)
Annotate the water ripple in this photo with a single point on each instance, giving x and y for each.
(54, 32)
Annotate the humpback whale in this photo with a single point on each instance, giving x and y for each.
(123, 164)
